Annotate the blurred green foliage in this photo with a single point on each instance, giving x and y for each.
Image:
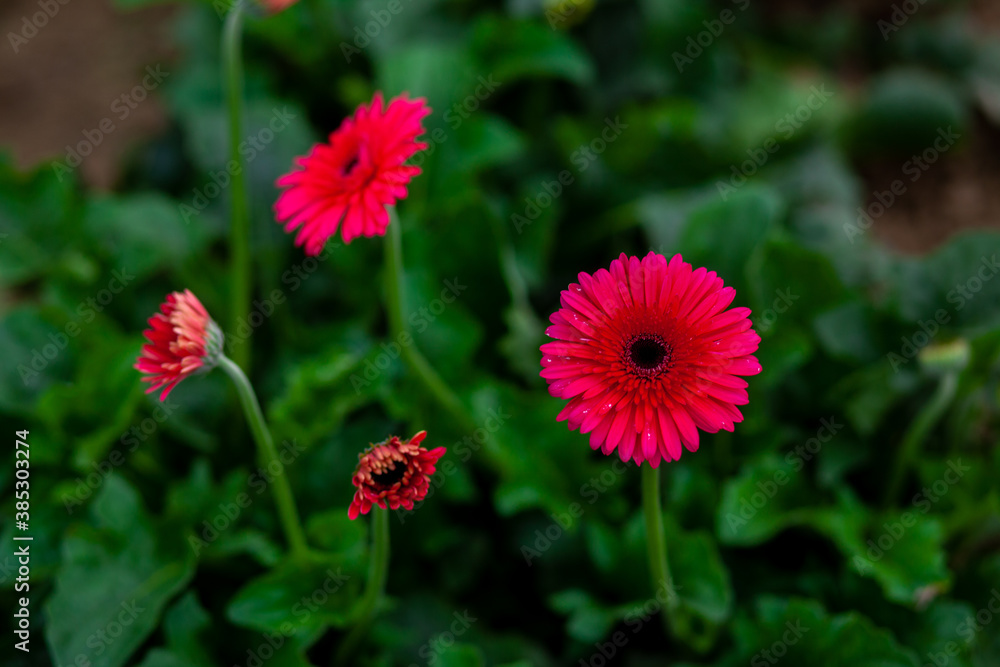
(563, 133)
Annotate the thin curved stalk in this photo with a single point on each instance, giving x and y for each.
(239, 232)
(396, 309)
(917, 434)
(656, 542)
(378, 573)
(283, 497)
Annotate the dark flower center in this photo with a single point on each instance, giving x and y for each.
(389, 477)
(647, 354)
(351, 164)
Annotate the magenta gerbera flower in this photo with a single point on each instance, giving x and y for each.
(393, 474)
(647, 354)
(183, 340)
(348, 182)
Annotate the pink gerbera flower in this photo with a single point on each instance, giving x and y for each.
(183, 340)
(349, 182)
(647, 354)
(394, 474)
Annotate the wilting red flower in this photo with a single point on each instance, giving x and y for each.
(349, 181)
(183, 340)
(647, 354)
(393, 472)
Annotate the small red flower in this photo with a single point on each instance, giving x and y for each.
(275, 6)
(647, 354)
(393, 472)
(183, 340)
(349, 181)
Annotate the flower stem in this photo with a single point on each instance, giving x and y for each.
(378, 572)
(918, 432)
(656, 542)
(396, 307)
(239, 239)
(265, 445)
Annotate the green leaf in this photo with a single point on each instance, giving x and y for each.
(588, 621)
(185, 625)
(435, 70)
(902, 551)
(951, 291)
(36, 216)
(699, 575)
(513, 49)
(299, 598)
(114, 582)
(462, 655)
(141, 233)
(334, 531)
(802, 633)
(724, 235)
(767, 497)
(904, 113)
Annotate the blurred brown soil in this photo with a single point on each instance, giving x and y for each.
(961, 191)
(64, 80)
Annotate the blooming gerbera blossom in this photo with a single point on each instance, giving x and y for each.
(647, 354)
(393, 473)
(183, 340)
(349, 181)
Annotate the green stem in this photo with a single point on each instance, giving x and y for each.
(918, 432)
(396, 306)
(378, 572)
(265, 445)
(656, 541)
(239, 239)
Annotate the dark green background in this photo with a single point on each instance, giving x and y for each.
(851, 302)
